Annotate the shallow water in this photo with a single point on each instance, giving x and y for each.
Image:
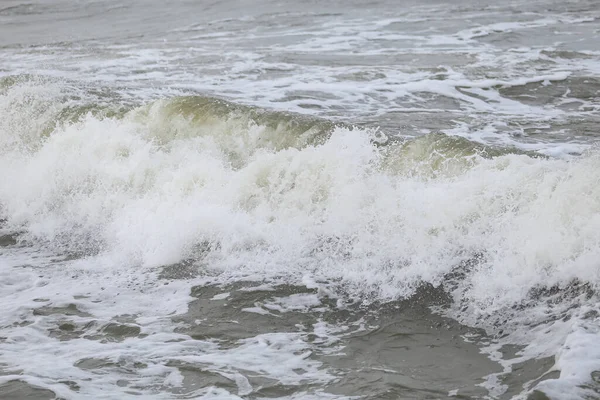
(264, 199)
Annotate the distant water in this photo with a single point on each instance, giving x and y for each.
(299, 200)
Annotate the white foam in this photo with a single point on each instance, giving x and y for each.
(142, 203)
(221, 296)
(258, 310)
(341, 212)
(103, 293)
(295, 302)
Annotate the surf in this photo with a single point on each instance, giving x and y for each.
(245, 194)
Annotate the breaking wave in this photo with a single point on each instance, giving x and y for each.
(245, 193)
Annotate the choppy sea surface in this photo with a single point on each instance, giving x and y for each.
(299, 199)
